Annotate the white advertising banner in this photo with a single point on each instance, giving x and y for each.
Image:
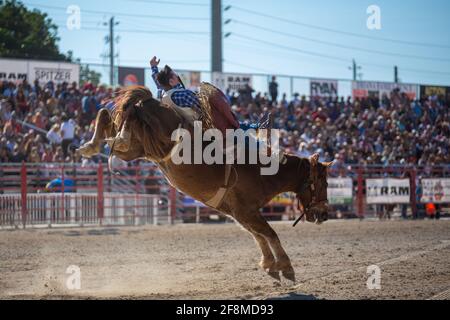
(364, 89)
(191, 79)
(233, 82)
(43, 71)
(386, 191)
(340, 190)
(13, 70)
(324, 88)
(435, 191)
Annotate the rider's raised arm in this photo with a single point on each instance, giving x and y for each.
(154, 65)
(155, 72)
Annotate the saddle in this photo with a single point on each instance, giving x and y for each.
(215, 111)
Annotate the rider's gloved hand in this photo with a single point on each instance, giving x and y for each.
(154, 62)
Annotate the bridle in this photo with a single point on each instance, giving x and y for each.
(310, 183)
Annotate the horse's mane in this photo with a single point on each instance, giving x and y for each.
(128, 98)
(143, 114)
(149, 120)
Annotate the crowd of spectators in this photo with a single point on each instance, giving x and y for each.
(47, 123)
(392, 130)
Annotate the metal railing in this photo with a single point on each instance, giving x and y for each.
(93, 196)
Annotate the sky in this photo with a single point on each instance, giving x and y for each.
(284, 37)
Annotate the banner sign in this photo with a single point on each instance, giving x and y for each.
(435, 191)
(430, 91)
(131, 76)
(233, 82)
(386, 191)
(365, 89)
(340, 190)
(324, 88)
(283, 199)
(191, 79)
(44, 71)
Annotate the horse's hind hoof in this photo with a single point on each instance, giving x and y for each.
(88, 150)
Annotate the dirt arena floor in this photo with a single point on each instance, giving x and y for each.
(220, 262)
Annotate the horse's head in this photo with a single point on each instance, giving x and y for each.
(313, 193)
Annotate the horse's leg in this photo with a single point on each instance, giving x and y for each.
(283, 263)
(257, 224)
(103, 129)
(267, 260)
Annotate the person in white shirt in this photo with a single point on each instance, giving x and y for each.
(53, 135)
(67, 133)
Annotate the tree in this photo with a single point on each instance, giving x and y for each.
(88, 75)
(27, 34)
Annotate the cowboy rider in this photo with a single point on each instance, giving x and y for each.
(175, 92)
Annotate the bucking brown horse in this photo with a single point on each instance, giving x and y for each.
(245, 190)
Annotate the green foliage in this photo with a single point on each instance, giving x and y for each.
(27, 34)
(87, 75)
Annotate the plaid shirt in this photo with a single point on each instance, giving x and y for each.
(184, 98)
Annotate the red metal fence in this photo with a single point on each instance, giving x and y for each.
(141, 195)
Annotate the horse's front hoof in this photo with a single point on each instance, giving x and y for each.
(269, 266)
(286, 269)
(274, 274)
(289, 274)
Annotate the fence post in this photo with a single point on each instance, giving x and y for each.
(291, 84)
(173, 204)
(413, 192)
(197, 214)
(23, 185)
(100, 198)
(63, 202)
(360, 195)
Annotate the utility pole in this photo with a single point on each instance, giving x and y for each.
(396, 80)
(110, 39)
(111, 51)
(216, 35)
(355, 69)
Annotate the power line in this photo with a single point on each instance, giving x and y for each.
(122, 14)
(147, 61)
(246, 66)
(411, 43)
(311, 53)
(340, 45)
(172, 3)
(146, 31)
(294, 50)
